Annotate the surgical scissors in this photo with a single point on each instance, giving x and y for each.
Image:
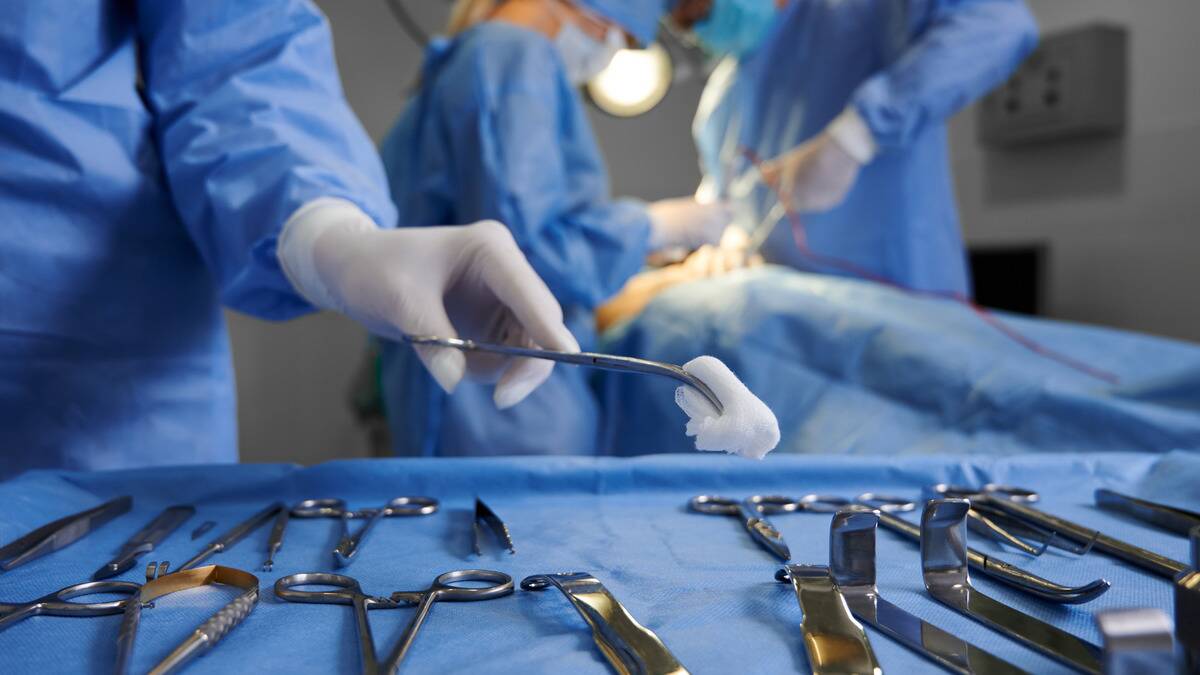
(1002, 499)
(751, 511)
(350, 544)
(59, 602)
(350, 593)
(622, 364)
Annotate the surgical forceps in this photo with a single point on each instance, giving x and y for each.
(944, 570)
(60, 533)
(350, 593)
(1003, 527)
(629, 647)
(350, 544)
(484, 515)
(59, 602)
(752, 512)
(1169, 518)
(1000, 497)
(623, 364)
(852, 566)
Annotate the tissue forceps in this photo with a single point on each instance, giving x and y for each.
(1009, 574)
(623, 364)
(1002, 499)
(59, 602)
(1179, 521)
(350, 544)
(60, 533)
(350, 593)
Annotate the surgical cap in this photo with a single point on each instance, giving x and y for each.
(639, 18)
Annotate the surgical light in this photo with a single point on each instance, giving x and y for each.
(634, 83)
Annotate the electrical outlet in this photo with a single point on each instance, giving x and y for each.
(1073, 85)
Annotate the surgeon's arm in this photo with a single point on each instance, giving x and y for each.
(518, 166)
(960, 50)
(251, 125)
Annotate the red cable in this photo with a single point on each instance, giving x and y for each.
(852, 269)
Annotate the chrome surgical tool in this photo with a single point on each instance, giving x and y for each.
(60, 533)
(836, 644)
(629, 647)
(350, 544)
(1000, 526)
(485, 516)
(1136, 642)
(852, 566)
(1169, 518)
(752, 511)
(944, 568)
(999, 497)
(1187, 608)
(276, 541)
(623, 364)
(145, 539)
(999, 570)
(59, 602)
(203, 529)
(350, 593)
(203, 638)
(234, 535)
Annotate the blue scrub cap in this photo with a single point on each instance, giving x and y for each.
(639, 18)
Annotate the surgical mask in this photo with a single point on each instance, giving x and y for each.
(735, 27)
(584, 55)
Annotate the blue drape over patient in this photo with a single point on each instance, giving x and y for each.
(854, 367)
(497, 132)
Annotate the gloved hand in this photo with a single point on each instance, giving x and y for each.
(818, 174)
(686, 223)
(466, 281)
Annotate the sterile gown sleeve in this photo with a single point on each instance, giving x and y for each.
(961, 49)
(251, 124)
(531, 162)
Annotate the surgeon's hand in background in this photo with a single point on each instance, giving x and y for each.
(817, 175)
(463, 281)
(685, 222)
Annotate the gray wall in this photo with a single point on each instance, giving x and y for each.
(1118, 215)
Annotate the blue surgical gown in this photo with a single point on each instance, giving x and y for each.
(151, 151)
(905, 67)
(497, 131)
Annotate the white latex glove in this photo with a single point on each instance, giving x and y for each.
(465, 281)
(818, 174)
(686, 223)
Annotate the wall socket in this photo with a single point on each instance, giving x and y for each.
(1075, 84)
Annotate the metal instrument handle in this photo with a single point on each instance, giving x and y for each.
(209, 633)
(834, 641)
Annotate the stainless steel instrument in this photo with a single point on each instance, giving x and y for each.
(1137, 642)
(751, 512)
(1187, 608)
(59, 602)
(852, 565)
(204, 638)
(629, 647)
(1169, 518)
(485, 516)
(1000, 498)
(836, 644)
(275, 542)
(234, 535)
(623, 364)
(349, 543)
(1007, 573)
(60, 533)
(350, 593)
(944, 568)
(145, 539)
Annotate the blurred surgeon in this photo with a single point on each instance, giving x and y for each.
(848, 99)
(498, 130)
(162, 159)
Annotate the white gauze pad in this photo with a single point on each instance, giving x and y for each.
(747, 427)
